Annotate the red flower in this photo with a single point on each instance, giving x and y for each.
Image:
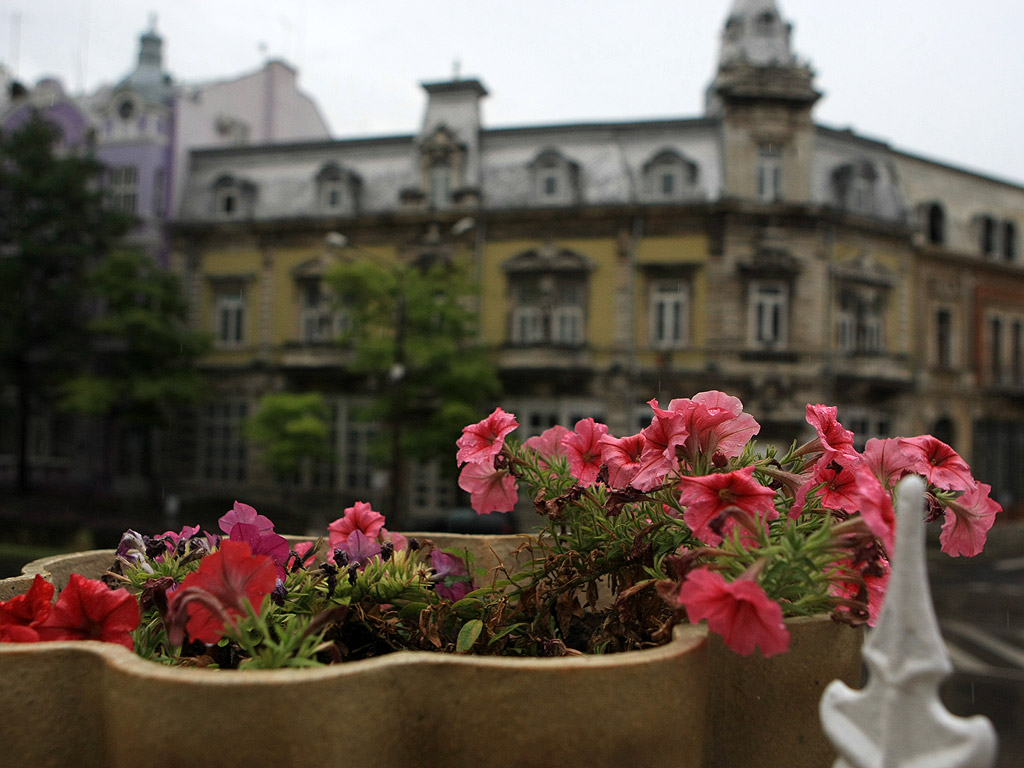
(490, 490)
(20, 612)
(90, 610)
(705, 497)
(482, 441)
(212, 596)
(968, 520)
(359, 517)
(584, 450)
(740, 612)
(940, 464)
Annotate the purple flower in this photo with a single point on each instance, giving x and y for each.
(131, 550)
(188, 539)
(243, 513)
(452, 580)
(360, 549)
(263, 543)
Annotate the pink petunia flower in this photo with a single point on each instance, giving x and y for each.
(666, 432)
(937, 462)
(967, 523)
(583, 449)
(875, 506)
(490, 489)
(841, 490)
(886, 460)
(622, 457)
(482, 441)
(549, 442)
(243, 513)
(715, 422)
(90, 610)
(740, 612)
(359, 517)
(707, 496)
(833, 439)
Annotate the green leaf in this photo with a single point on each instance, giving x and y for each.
(412, 610)
(468, 635)
(505, 631)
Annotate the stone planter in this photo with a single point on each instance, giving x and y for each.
(687, 704)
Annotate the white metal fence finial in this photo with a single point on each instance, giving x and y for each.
(897, 720)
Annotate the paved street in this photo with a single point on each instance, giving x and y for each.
(980, 605)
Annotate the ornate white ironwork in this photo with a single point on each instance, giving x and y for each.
(897, 720)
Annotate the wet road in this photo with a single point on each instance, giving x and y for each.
(980, 606)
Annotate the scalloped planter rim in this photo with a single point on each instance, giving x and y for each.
(688, 704)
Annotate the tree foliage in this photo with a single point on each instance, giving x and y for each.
(414, 334)
(84, 322)
(142, 350)
(53, 229)
(290, 427)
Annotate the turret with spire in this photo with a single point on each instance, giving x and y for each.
(763, 94)
(148, 79)
(756, 59)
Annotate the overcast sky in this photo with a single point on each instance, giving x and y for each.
(944, 80)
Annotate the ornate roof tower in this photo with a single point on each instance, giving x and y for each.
(756, 60)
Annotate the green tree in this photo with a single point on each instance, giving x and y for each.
(53, 229)
(142, 353)
(289, 428)
(416, 338)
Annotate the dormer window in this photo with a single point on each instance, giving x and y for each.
(233, 198)
(668, 177)
(555, 179)
(854, 185)
(337, 190)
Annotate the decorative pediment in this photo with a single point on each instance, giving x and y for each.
(864, 268)
(771, 262)
(548, 258)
